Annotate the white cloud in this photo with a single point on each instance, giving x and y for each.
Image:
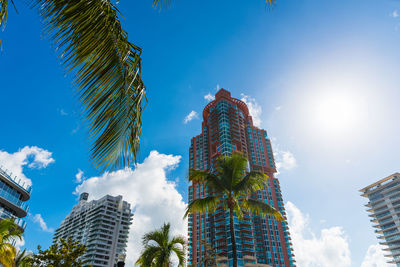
(32, 156)
(155, 199)
(217, 87)
(20, 243)
(284, 159)
(38, 219)
(79, 176)
(209, 97)
(394, 14)
(254, 109)
(63, 113)
(76, 129)
(330, 249)
(375, 257)
(278, 108)
(192, 115)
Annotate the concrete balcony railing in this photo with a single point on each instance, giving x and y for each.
(25, 189)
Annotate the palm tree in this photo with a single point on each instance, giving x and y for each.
(209, 258)
(159, 246)
(106, 68)
(22, 259)
(9, 233)
(231, 186)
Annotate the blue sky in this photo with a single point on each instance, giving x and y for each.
(297, 63)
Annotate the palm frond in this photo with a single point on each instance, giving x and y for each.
(107, 73)
(162, 3)
(158, 236)
(3, 15)
(231, 169)
(260, 208)
(180, 254)
(9, 231)
(178, 240)
(198, 176)
(210, 179)
(251, 182)
(202, 205)
(22, 259)
(238, 210)
(3, 12)
(270, 2)
(148, 256)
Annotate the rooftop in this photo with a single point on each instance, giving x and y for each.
(379, 183)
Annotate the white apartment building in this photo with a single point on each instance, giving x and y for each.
(102, 226)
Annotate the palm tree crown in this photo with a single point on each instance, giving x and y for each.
(231, 186)
(159, 247)
(9, 233)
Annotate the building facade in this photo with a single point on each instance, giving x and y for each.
(384, 209)
(261, 241)
(102, 226)
(13, 196)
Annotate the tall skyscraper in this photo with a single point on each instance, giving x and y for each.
(261, 241)
(384, 209)
(13, 194)
(102, 226)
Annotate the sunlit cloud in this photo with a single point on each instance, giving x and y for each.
(38, 219)
(375, 257)
(209, 97)
(284, 159)
(31, 156)
(79, 176)
(63, 113)
(192, 115)
(254, 109)
(154, 198)
(328, 249)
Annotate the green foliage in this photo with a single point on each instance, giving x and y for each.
(159, 246)
(64, 253)
(9, 233)
(107, 73)
(231, 186)
(209, 259)
(22, 259)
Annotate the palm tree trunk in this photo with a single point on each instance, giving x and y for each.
(233, 236)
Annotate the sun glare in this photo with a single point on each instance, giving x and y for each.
(336, 113)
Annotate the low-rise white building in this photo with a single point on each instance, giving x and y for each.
(102, 226)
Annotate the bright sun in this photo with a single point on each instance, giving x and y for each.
(336, 112)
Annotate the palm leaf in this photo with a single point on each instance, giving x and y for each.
(180, 254)
(3, 15)
(251, 182)
(156, 236)
(148, 256)
(203, 205)
(260, 208)
(210, 180)
(106, 69)
(3, 12)
(162, 3)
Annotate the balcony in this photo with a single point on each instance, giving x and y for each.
(18, 206)
(20, 186)
(6, 215)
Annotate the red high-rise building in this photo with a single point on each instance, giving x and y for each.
(261, 241)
